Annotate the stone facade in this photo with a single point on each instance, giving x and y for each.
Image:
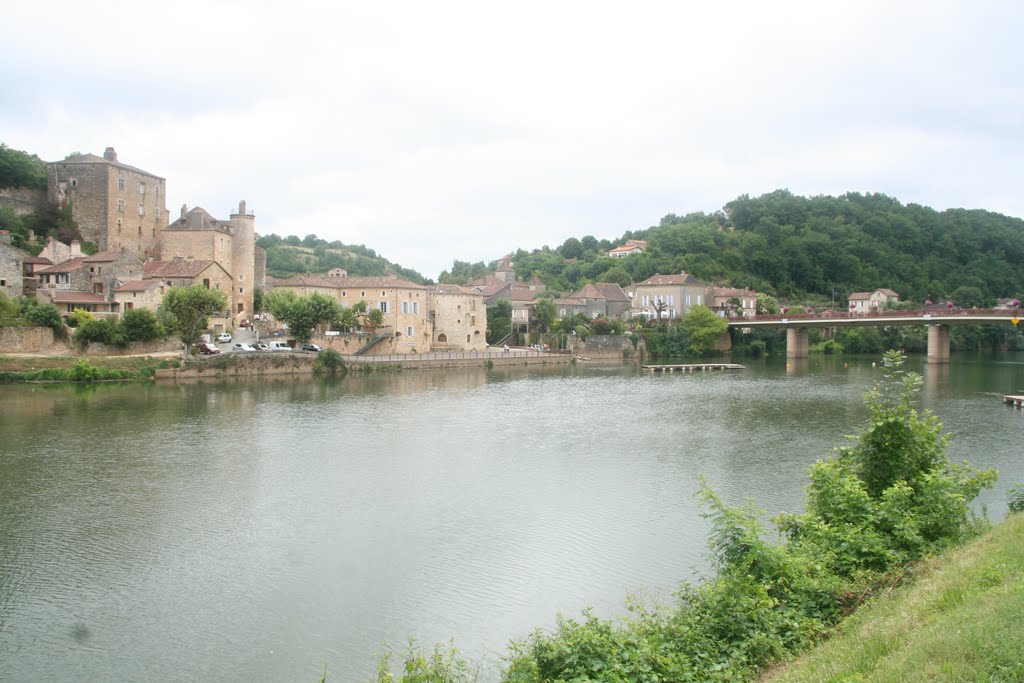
(116, 206)
(231, 244)
(459, 319)
(12, 266)
(147, 294)
(671, 296)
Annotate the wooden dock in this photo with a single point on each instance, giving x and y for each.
(696, 367)
(1015, 401)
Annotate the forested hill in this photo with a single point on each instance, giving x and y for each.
(800, 247)
(290, 255)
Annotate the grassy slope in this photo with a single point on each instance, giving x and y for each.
(962, 620)
(24, 363)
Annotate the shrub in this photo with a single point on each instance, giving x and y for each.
(329, 360)
(100, 331)
(138, 324)
(45, 315)
(1017, 498)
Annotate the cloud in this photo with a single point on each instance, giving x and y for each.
(458, 130)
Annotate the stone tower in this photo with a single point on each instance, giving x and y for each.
(243, 261)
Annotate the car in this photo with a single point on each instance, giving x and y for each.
(311, 347)
(244, 347)
(207, 349)
(279, 346)
(260, 346)
(244, 323)
(224, 338)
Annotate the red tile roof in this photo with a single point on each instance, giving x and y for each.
(68, 266)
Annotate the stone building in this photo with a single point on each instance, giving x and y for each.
(666, 296)
(231, 244)
(116, 206)
(731, 301)
(595, 300)
(12, 266)
(458, 318)
(403, 304)
(147, 294)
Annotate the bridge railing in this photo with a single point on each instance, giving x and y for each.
(858, 315)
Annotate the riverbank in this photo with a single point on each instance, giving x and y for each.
(958, 621)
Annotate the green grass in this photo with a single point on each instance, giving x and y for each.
(961, 620)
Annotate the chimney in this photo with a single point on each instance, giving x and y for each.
(109, 154)
(241, 207)
(76, 249)
(184, 210)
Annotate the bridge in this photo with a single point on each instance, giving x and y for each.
(938, 322)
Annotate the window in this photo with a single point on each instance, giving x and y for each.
(120, 184)
(3, 283)
(241, 290)
(383, 306)
(206, 282)
(670, 299)
(383, 293)
(344, 294)
(118, 226)
(699, 299)
(645, 301)
(241, 308)
(74, 182)
(410, 307)
(142, 209)
(408, 331)
(120, 205)
(142, 188)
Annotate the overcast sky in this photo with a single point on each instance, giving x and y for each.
(434, 131)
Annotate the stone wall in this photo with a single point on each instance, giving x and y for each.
(605, 346)
(22, 200)
(30, 340)
(134, 349)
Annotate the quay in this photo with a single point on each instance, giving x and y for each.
(1015, 401)
(702, 367)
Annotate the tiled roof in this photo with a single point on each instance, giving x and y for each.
(347, 282)
(68, 266)
(104, 256)
(138, 286)
(861, 295)
(73, 297)
(176, 268)
(93, 159)
(38, 259)
(888, 292)
(681, 279)
(611, 291)
(198, 218)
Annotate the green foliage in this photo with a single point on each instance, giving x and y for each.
(891, 498)
(82, 371)
(702, 329)
(140, 325)
(185, 310)
(499, 321)
(302, 313)
(80, 316)
(99, 331)
(443, 665)
(44, 315)
(290, 255)
(867, 340)
(1016, 495)
(329, 360)
(21, 169)
(546, 313)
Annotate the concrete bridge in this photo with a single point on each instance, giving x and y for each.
(938, 322)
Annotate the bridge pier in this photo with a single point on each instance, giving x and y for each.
(796, 343)
(938, 343)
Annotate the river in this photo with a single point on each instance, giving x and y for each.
(260, 530)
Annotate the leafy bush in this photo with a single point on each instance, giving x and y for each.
(140, 325)
(44, 315)
(1017, 498)
(443, 665)
(329, 360)
(100, 331)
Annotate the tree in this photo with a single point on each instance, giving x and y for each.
(302, 314)
(499, 321)
(138, 324)
(185, 311)
(767, 305)
(546, 313)
(702, 329)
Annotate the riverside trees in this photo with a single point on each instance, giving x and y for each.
(185, 311)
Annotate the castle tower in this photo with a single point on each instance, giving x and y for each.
(243, 262)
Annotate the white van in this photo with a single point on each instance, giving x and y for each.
(279, 346)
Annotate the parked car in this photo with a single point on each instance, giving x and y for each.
(311, 347)
(260, 346)
(224, 338)
(279, 346)
(244, 347)
(207, 349)
(244, 323)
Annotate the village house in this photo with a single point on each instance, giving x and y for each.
(666, 296)
(630, 247)
(141, 294)
(730, 301)
(595, 300)
(866, 302)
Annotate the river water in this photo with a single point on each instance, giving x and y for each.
(263, 530)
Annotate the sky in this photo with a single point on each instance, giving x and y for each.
(441, 131)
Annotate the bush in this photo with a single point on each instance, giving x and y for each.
(329, 360)
(140, 325)
(1017, 498)
(45, 315)
(100, 331)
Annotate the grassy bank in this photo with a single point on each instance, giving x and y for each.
(78, 369)
(959, 621)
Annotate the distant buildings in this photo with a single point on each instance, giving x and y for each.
(865, 302)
